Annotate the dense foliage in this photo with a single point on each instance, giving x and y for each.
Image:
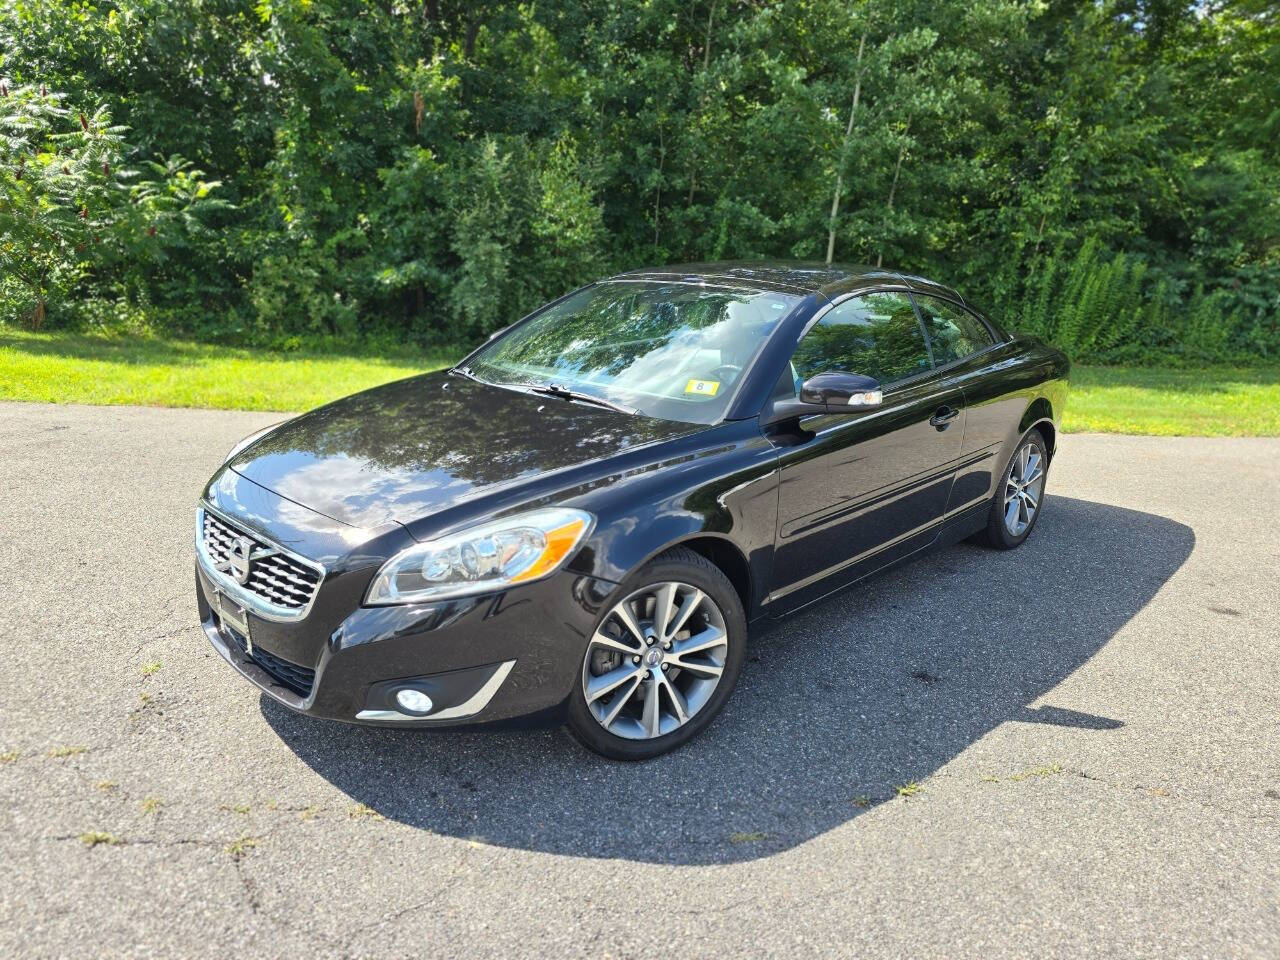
(1104, 173)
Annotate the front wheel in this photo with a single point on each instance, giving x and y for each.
(662, 661)
(1019, 495)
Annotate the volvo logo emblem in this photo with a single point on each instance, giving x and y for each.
(239, 559)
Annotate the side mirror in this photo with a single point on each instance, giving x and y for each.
(825, 393)
(842, 392)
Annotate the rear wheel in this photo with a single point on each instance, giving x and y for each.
(1019, 495)
(662, 661)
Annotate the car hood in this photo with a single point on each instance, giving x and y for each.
(408, 449)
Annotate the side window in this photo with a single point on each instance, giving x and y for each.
(953, 332)
(876, 335)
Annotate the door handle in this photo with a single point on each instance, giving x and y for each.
(943, 417)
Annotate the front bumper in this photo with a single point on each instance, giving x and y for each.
(512, 656)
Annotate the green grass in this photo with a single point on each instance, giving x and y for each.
(1212, 402)
(76, 368)
(73, 368)
(92, 838)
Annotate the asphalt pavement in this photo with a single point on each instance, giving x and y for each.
(1068, 750)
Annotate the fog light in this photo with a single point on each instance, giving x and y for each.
(414, 701)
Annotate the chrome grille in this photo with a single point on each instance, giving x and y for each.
(276, 578)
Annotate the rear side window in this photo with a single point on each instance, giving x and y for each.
(954, 333)
(875, 334)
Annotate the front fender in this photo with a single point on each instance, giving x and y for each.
(727, 495)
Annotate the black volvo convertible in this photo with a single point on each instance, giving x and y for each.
(579, 521)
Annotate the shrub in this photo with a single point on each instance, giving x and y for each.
(69, 204)
(1105, 307)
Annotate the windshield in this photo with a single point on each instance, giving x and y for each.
(670, 350)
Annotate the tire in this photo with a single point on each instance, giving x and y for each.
(687, 666)
(1002, 532)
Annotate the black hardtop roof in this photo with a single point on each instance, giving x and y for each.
(829, 280)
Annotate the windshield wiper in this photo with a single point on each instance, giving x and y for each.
(564, 393)
(550, 390)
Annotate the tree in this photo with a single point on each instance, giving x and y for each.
(429, 170)
(68, 202)
(57, 191)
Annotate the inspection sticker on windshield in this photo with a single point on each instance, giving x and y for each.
(706, 388)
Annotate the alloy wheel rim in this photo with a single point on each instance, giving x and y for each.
(1023, 489)
(655, 660)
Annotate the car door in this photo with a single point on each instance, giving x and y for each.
(977, 361)
(862, 489)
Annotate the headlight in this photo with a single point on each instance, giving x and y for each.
(491, 556)
(248, 440)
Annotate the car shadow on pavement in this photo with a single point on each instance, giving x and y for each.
(838, 706)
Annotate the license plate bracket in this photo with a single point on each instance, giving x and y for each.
(236, 617)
